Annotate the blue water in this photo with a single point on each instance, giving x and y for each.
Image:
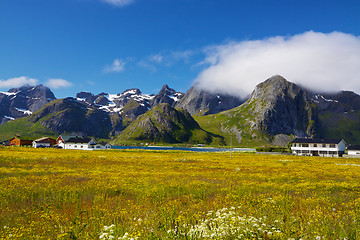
(199, 149)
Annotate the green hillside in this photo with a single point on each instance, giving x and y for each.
(24, 128)
(341, 125)
(164, 124)
(235, 126)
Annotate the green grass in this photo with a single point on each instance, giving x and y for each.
(64, 194)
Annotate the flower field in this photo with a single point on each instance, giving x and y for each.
(59, 194)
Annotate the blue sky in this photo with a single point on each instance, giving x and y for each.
(112, 45)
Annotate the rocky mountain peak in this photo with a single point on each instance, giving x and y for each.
(341, 102)
(132, 91)
(71, 115)
(276, 79)
(167, 90)
(202, 102)
(38, 91)
(164, 123)
(274, 88)
(279, 106)
(84, 94)
(23, 101)
(166, 95)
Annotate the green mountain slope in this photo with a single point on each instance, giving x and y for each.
(24, 128)
(275, 110)
(341, 125)
(339, 115)
(164, 123)
(61, 115)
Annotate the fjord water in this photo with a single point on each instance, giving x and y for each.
(194, 149)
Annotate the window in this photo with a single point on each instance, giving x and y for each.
(75, 146)
(324, 145)
(332, 145)
(81, 146)
(305, 145)
(315, 145)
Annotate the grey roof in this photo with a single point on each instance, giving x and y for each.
(78, 140)
(67, 137)
(317, 140)
(354, 147)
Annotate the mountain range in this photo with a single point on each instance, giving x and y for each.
(275, 112)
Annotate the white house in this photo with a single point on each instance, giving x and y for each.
(64, 138)
(43, 142)
(102, 145)
(354, 150)
(79, 143)
(318, 147)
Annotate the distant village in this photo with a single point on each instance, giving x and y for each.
(63, 141)
(298, 146)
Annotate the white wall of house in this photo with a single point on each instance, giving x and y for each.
(76, 146)
(354, 152)
(61, 144)
(40, 144)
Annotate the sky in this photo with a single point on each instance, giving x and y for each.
(219, 45)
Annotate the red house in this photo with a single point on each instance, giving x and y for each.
(17, 141)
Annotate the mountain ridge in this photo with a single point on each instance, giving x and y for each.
(275, 112)
(23, 101)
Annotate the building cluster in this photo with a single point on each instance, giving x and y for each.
(299, 146)
(63, 141)
(323, 147)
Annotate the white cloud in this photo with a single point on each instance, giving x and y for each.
(117, 66)
(157, 58)
(166, 59)
(56, 83)
(183, 55)
(119, 3)
(318, 61)
(18, 82)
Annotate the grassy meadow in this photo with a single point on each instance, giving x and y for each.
(64, 194)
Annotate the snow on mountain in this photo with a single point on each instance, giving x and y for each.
(318, 97)
(166, 95)
(115, 102)
(24, 111)
(23, 101)
(8, 93)
(176, 96)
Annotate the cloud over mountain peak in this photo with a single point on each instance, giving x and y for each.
(320, 61)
